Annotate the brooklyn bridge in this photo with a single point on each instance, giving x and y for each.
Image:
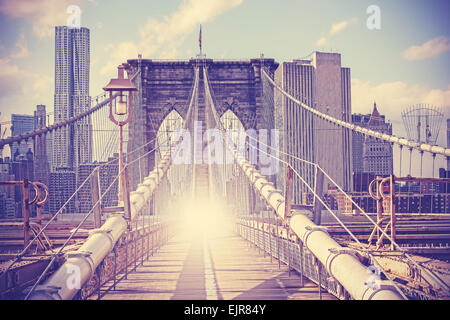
(232, 185)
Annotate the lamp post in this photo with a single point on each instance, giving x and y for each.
(120, 89)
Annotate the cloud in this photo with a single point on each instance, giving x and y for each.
(21, 48)
(322, 41)
(15, 82)
(429, 49)
(338, 27)
(393, 97)
(161, 38)
(335, 29)
(43, 15)
(9, 77)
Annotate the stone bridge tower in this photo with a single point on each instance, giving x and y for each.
(167, 85)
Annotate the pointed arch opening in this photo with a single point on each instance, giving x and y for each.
(171, 123)
(231, 121)
(233, 124)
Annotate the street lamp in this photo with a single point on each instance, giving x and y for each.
(120, 89)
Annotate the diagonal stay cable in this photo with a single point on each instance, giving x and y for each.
(402, 250)
(22, 254)
(54, 256)
(340, 222)
(221, 127)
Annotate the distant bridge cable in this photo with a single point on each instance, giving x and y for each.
(378, 135)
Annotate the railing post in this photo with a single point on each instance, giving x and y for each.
(259, 234)
(148, 243)
(99, 274)
(319, 276)
(115, 267)
(379, 206)
(95, 197)
(126, 193)
(317, 211)
(393, 217)
(26, 212)
(300, 249)
(263, 234)
(143, 239)
(288, 191)
(278, 241)
(135, 241)
(126, 254)
(289, 252)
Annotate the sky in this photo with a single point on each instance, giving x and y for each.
(402, 63)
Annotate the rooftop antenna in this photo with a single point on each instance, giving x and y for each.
(200, 40)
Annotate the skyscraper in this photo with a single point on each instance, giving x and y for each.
(71, 145)
(7, 193)
(369, 154)
(358, 141)
(21, 123)
(324, 85)
(107, 173)
(61, 187)
(41, 165)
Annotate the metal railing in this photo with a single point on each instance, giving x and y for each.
(267, 235)
(129, 253)
(336, 259)
(102, 241)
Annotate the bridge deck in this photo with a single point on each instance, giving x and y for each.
(213, 267)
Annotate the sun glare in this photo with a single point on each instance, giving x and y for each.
(202, 216)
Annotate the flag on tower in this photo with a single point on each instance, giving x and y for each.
(200, 39)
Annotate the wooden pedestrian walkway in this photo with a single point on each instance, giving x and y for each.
(212, 267)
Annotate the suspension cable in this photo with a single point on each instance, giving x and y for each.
(390, 138)
(220, 125)
(21, 254)
(54, 256)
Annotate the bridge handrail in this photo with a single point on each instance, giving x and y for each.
(112, 224)
(109, 232)
(60, 210)
(304, 228)
(429, 275)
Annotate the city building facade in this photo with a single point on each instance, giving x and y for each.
(325, 85)
(21, 123)
(72, 145)
(41, 165)
(372, 155)
(107, 173)
(62, 184)
(7, 206)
